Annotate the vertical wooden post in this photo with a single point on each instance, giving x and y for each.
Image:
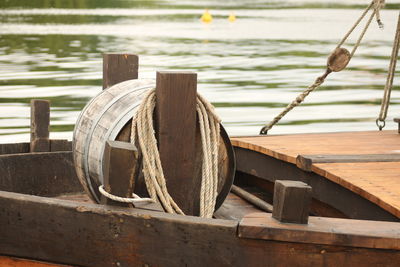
(398, 124)
(120, 167)
(291, 201)
(118, 68)
(40, 121)
(176, 133)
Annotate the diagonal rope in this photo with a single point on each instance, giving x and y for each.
(380, 121)
(376, 5)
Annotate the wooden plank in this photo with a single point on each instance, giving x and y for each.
(305, 162)
(291, 201)
(43, 174)
(17, 262)
(326, 190)
(176, 134)
(14, 148)
(94, 235)
(376, 181)
(235, 208)
(120, 169)
(40, 122)
(60, 145)
(118, 68)
(321, 230)
(287, 147)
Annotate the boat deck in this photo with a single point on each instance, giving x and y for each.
(367, 163)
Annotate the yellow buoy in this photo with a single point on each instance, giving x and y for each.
(206, 17)
(232, 17)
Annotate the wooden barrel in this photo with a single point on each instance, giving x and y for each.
(108, 116)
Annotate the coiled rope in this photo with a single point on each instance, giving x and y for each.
(376, 5)
(143, 133)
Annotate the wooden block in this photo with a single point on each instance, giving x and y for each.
(120, 168)
(398, 123)
(60, 145)
(291, 201)
(176, 133)
(40, 121)
(118, 68)
(305, 162)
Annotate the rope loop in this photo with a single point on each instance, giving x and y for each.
(135, 198)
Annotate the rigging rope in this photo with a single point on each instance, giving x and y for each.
(337, 61)
(380, 121)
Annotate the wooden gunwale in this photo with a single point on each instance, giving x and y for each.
(86, 234)
(377, 182)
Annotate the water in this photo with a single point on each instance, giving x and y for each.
(249, 69)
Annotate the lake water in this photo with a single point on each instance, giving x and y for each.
(250, 69)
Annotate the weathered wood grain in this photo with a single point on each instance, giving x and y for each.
(60, 145)
(176, 125)
(291, 201)
(14, 148)
(235, 208)
(305, 162)
(40, 122)
(94, 235)
(6, 261)
(320, 230)
(43, 174)
(118, 68)
(120, 170)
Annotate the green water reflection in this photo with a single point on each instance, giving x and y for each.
(56, 49)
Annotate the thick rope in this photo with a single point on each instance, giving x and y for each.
(143, 133)
(380, 121)
(377, 5)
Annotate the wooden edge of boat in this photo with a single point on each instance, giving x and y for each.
(364, 163)
(70, 232)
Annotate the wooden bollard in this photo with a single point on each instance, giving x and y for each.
(120, 168)
(291, 201)
(118, 68)
(40, 121)
(176, 134)
(397, 120)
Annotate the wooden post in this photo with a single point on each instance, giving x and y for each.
(398, 124)
(176, 133)
(120, 167)
(40, 121)
(291, 201)
(118, 68)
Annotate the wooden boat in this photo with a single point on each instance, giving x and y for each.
(298, 200)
